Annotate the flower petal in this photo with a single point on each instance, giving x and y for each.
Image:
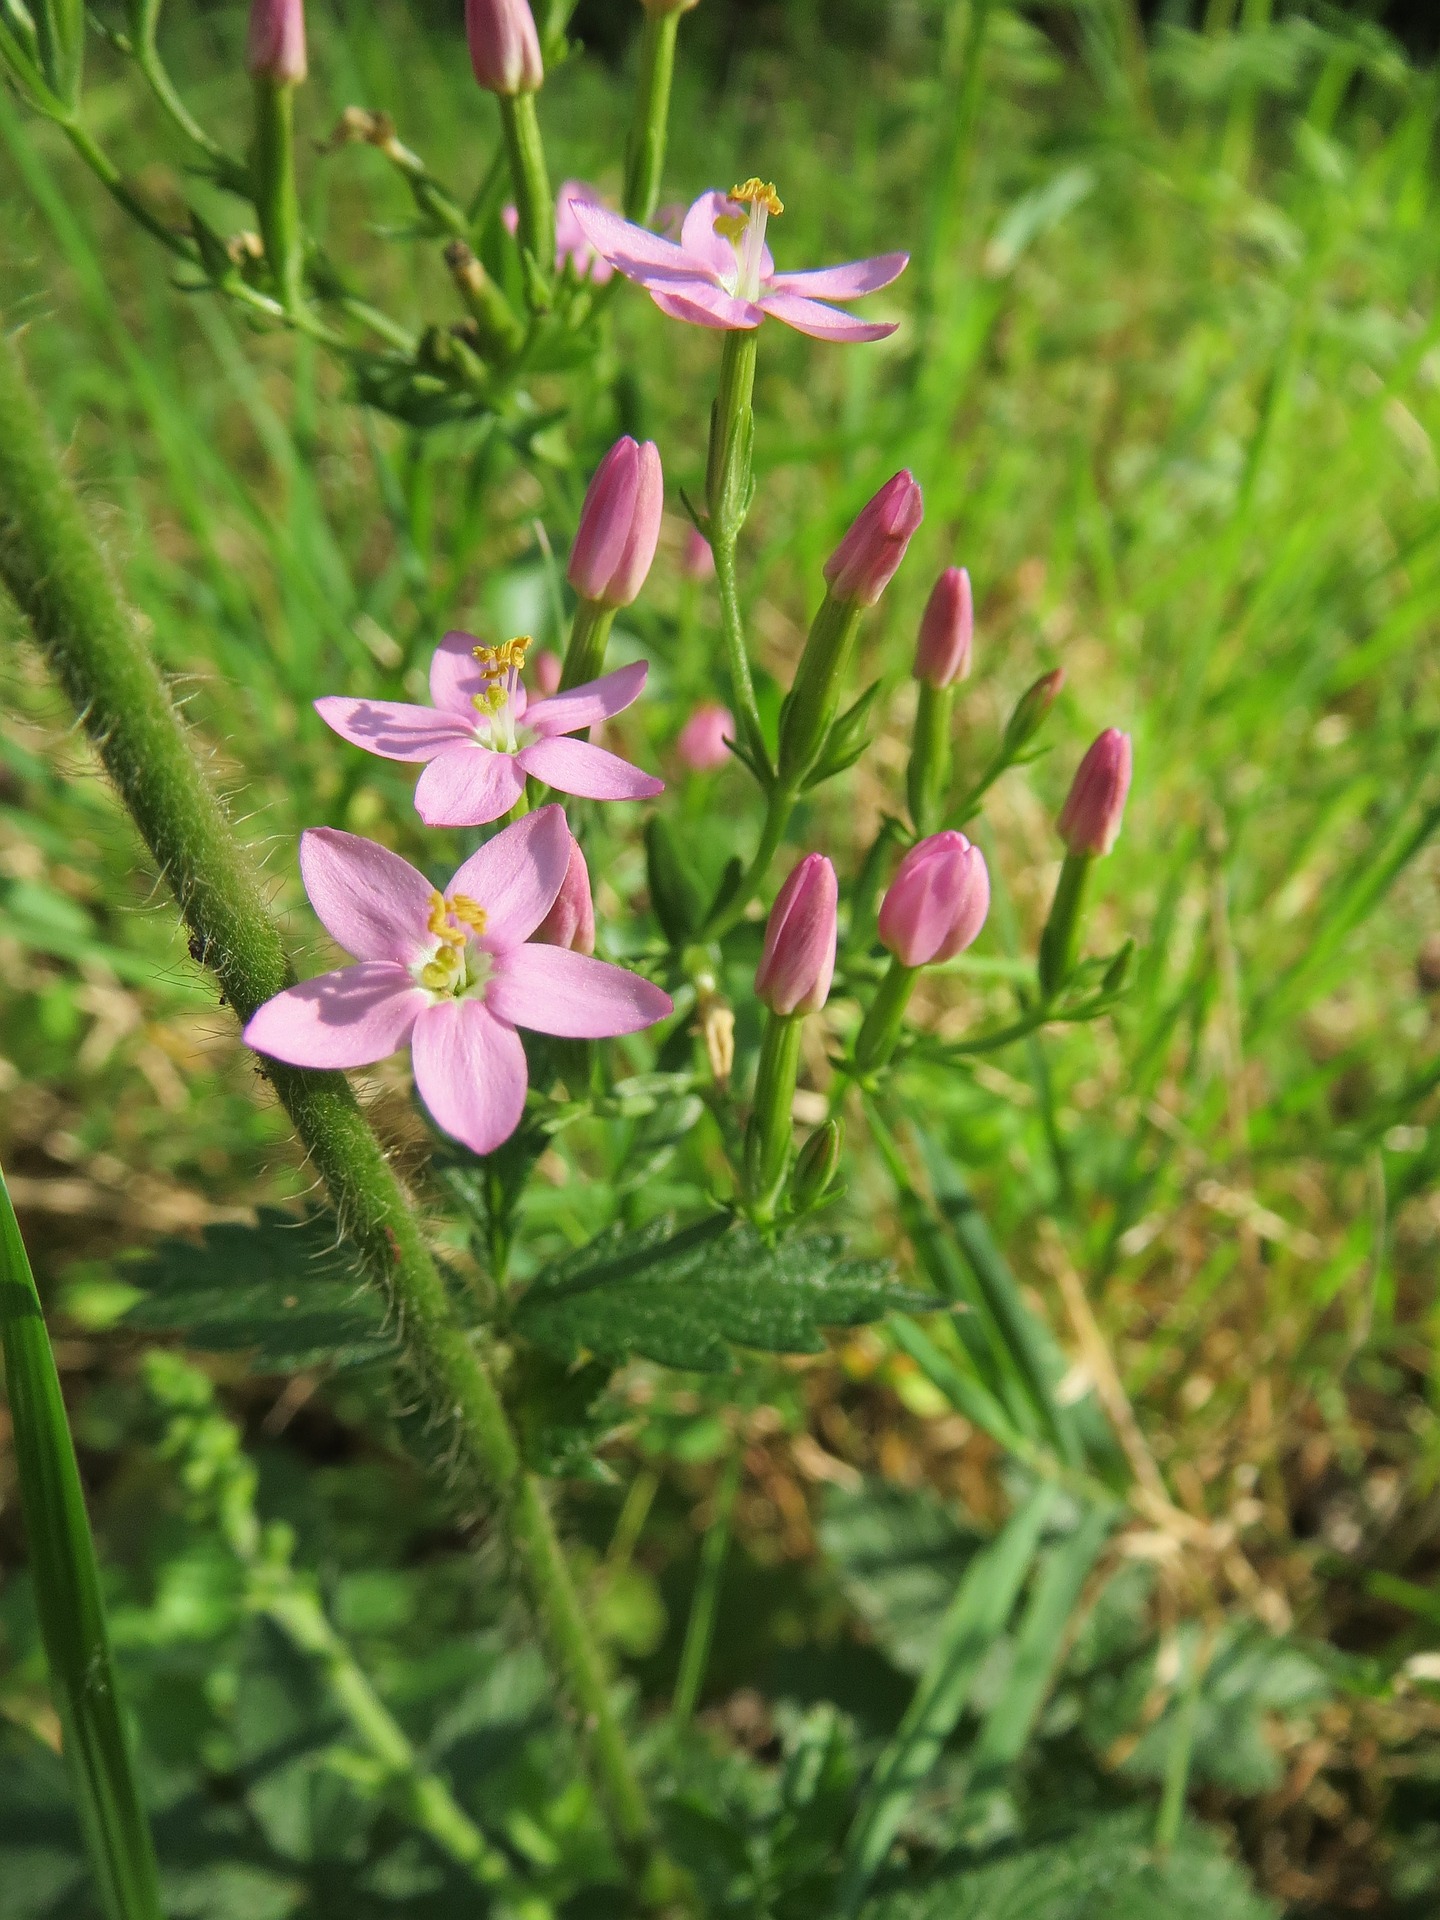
(373, 902)
(349, 1018)
(575, 766)
(587, 706)
(821, 322)
(467, 786)
(455, 674)
(552, 990)
(845, 282)
(704, 245)
(706, 306)
(392, 728)
(516, 876)
(639, 254)
(470, 1072)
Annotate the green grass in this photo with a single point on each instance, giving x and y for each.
(1170, 377)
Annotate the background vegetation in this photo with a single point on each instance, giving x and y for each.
(1170, 376)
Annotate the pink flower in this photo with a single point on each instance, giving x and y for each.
(483, 735)
(571, 920)
(570, 241)
(864, 563)
(452, 973)
(703, 741)
(275, 46)
(722, 275)
(548, 669)
(798, 960)
(1095, 805)
(697, 560)
(504, 46)
(619, 525)
(947, 627)
(936, 904)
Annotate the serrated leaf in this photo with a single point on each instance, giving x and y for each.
(685, 1299)
(282, 1290)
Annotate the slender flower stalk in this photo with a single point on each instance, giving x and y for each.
(484, 735)
(793, 979)
(1089, 824)
(934, 908)
(650, 121)
(942, 657)
(275, 56)
(505, 56)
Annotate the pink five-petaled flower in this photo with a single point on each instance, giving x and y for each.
(484, 735)
(452, 973)
(936, 905)
(797, 963)
(722, 274)
(1090, 819)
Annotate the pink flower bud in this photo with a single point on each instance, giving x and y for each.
(697, 562)
(275, 47)
(504, 46)
(947, 626)
(864, 563)
(799, 958)
(571, 920)
(619, 525)
(548, 669)
(1090, 819)
(702, 742)
(937, 902)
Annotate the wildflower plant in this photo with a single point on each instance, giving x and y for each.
(539, 996)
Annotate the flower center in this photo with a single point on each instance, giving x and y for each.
(746, 231)
(459, 968)
(500, 670)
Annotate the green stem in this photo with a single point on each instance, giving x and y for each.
(928, 774)
(880, 1029)
(777, 818)
(51, 563)
(814, 698)
(732, 437)
(700, 1629)
(67, 1593)
(531, 180)
(645, 146)
(768, 1137)
(737, 658)
(589, 636)
(276, 200)
(1059, 941)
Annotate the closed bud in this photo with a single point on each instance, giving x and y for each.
(704, 739)
(504, 46)
(1030, 710)
(697, 560)
(548, 669)
(937, 902)
(619, 525)
(816, 1166)
(1089, 821)
(275, 44)
(798, 961)
(864, 563)
(571, 919)
(947, 628)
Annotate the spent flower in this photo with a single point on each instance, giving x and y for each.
(453, 973)
(484, 734)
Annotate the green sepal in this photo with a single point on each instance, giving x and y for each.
(847, 739)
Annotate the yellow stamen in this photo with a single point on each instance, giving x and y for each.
(754, 193)
(441, 973)
(468, 912)
(507, 657)
(439, 923)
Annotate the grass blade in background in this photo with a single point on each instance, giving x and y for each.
(67, 1592)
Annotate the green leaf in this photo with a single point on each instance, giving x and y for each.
(900, 1556)
(283, 1290)
(1104, 1868)
(686, 1298)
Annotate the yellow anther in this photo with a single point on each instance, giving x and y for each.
(508, 657)
(442, 973)
(439, 923)
(468, 912)
(758, 193)
(731, 226)
(491, 700)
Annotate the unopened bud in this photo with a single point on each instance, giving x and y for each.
(619, 525)
(798, 961)
(697, 561)
(571, 919)
(816, 1166)
(1030, 711)
(936, 905)
(864, 563)
(548, 669)
(504, 46)
(704, 741)
(947, 627)
(1089, 821)
(275, 44)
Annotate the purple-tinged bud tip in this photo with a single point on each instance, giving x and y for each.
(1090, 819)
(864, 563)
(798, 960)
(504, 46)
(936, 905)
(947, 628)
(704, 739)
(571, 919)
(697, 562)
(275, 45)
(619, 525)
